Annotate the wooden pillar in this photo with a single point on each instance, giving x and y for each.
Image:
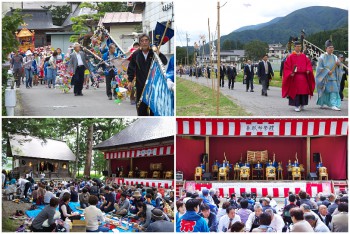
(308, 154)
(207, 152)
(109, 166)
(131, 166)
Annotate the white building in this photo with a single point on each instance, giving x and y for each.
(276, 53)
(122, 26)
(153, 12)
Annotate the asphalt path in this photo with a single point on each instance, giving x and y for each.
(42, 101)
(273, 104)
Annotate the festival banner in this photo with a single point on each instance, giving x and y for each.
(158, 34)
(156, 93)
(262, 127)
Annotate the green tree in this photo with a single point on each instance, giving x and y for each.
(84, 24)
(79, 134)
(181, 54)
(227, 45)
(59, 13)
(255, 50)
(10, 25)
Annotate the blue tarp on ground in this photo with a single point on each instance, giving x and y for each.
(34, 213)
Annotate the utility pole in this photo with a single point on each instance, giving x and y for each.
(187, 40)
(218, 63)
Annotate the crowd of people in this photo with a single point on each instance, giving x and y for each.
(205, 211)
(151, 206)
(297, 75)
(78, 67)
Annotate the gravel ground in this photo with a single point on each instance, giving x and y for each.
(9, 208)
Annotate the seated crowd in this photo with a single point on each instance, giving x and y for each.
(200, 212)
(152, 207)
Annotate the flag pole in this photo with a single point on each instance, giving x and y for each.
(161, 41)
(211, 63)
(218, 62)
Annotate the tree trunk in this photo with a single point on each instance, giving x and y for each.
(76, 169)
(88, 159)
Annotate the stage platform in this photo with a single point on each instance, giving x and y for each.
(148, 182)
(275, 188)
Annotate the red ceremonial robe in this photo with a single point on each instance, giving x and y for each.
(301, 83)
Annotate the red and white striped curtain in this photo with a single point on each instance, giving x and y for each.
(141, 152)
(262, 127)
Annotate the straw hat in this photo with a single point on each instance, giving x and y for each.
(137, 194)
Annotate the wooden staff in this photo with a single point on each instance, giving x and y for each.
(161, 41)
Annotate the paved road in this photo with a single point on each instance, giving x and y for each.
(42, 101)
(273, 105)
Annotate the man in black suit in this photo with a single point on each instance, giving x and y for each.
(231, 75)
(208, 71)
(249, 75)
(222, 74)
(265, 73)
(325, 217)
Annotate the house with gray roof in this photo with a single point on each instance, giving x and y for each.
(39, 20)
(32, 154)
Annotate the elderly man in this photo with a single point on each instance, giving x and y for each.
(253, 218)
(316, 224)
(266, 204)
(277, 222)
(160, 225)
(299, 224)
(140, 63)
(78, 65)
(324, 216)
(329, 74)
(306, 209)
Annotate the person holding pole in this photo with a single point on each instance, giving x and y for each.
(139, 65)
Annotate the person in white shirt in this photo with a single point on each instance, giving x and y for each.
(48, 195)
(273, 202)
(93, 215)
(277, 222)
(24, 185)
(63, 192)
(252, 221)
(316, 224)
(227, 220)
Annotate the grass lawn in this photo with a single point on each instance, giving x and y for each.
(196, 100)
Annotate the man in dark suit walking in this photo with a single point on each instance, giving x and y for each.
(78, 65)
(231, 75)
(249, 76)
(208, 71)
(222, 74)
(265, 73)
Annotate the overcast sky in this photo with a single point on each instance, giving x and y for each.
(192, 15)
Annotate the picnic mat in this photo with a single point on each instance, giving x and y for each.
(34, 213)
